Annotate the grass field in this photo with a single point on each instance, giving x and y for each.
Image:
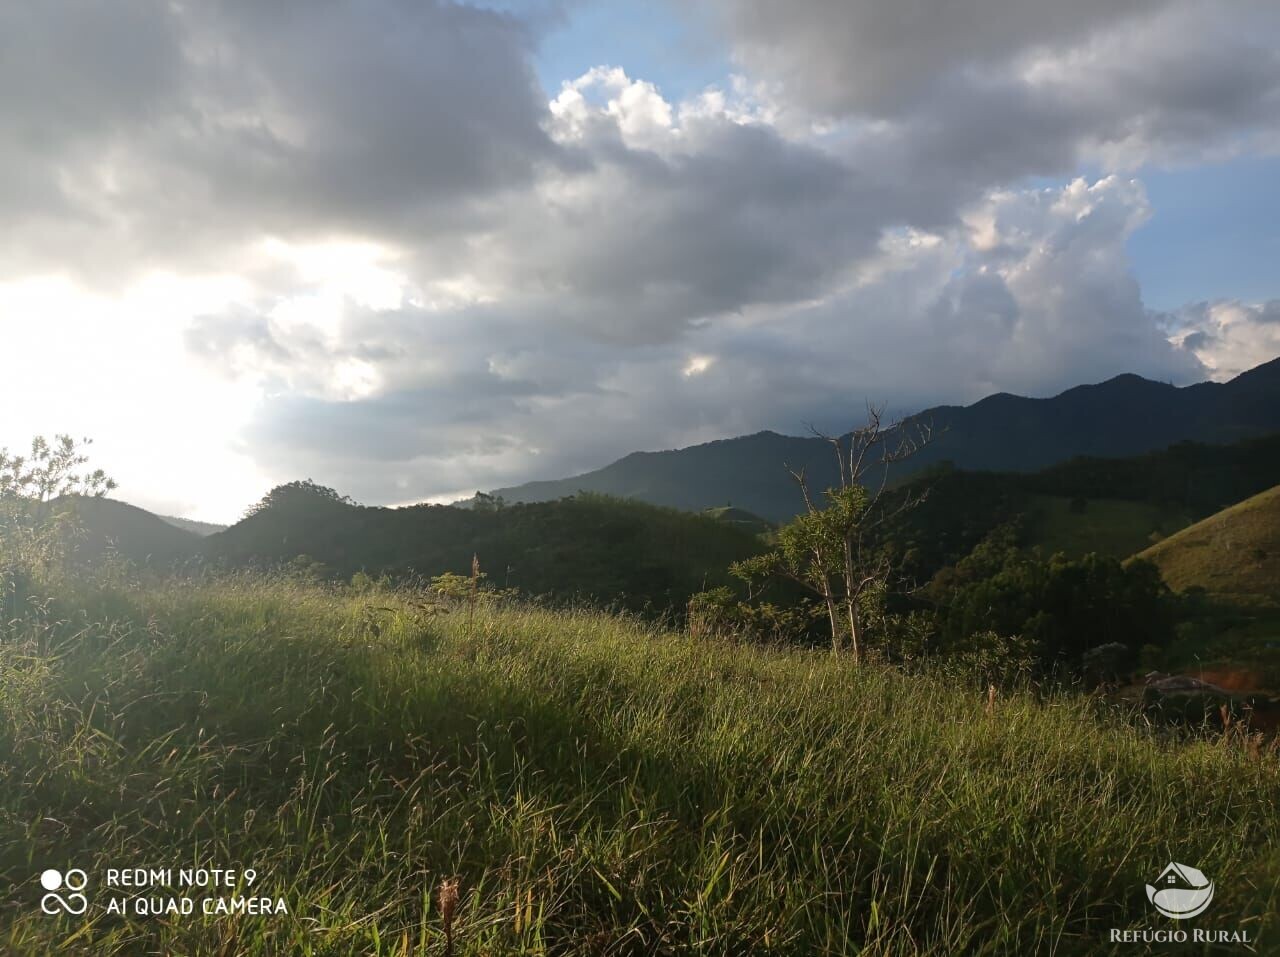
(1233, 554)
(594, 784)
(1106, 526)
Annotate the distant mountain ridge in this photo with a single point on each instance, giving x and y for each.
(1124, 416)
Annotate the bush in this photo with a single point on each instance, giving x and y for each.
(1065, 606)
(714, 613)
(717, 613)
(990, 658)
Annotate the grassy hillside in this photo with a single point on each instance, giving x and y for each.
(591, 547)
(596, 785)
(1234, 554)
(740, 518)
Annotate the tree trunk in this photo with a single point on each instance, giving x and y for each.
(851, 600)
(835, 621)
(854, 629)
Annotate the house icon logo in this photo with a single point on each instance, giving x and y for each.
(1181, 891)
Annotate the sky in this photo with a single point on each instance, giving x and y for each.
(410, 249)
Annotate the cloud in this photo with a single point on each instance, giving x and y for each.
(150, 134)
(1031, 292)
(1228, 336)
(861, 56)
(412, 271)
(1033, 86)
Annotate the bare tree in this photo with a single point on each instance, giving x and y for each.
(833, 548)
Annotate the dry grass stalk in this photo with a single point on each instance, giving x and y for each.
(474, 593)
(448, 900)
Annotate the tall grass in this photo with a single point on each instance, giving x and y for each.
(569, 782)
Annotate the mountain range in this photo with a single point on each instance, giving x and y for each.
(1124, 416)
(981, 474)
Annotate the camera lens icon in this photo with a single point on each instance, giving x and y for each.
(74, 881)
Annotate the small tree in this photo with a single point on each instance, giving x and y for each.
(833, 548)
(37, 505)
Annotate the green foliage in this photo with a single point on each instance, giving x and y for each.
(714, 613)
(50, 472)
(307, 569)
(1190, 477)
(810, 548)
(1115, 507)
(834, 553)
(452, 586)
(484, 502)
(718, 614)
(304, 497)
(590, 781)
(989, 658)
(959, 510)
(38, 516)
(1066, 606)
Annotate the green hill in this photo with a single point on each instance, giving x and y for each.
(1108, 526)
(588, 546)
(1193, 477)
(109, 526)
(739, 517)
(1233, 555)
(1111, 506)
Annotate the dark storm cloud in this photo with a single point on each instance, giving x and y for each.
(864, 56)
(646, 244)
(154, 134)
(611, 271)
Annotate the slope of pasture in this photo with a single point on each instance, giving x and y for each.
(1112, 527)
(595, 784)
(1234, 554)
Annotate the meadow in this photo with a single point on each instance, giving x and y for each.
(589, 783)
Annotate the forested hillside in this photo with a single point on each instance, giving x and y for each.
(588, 547)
